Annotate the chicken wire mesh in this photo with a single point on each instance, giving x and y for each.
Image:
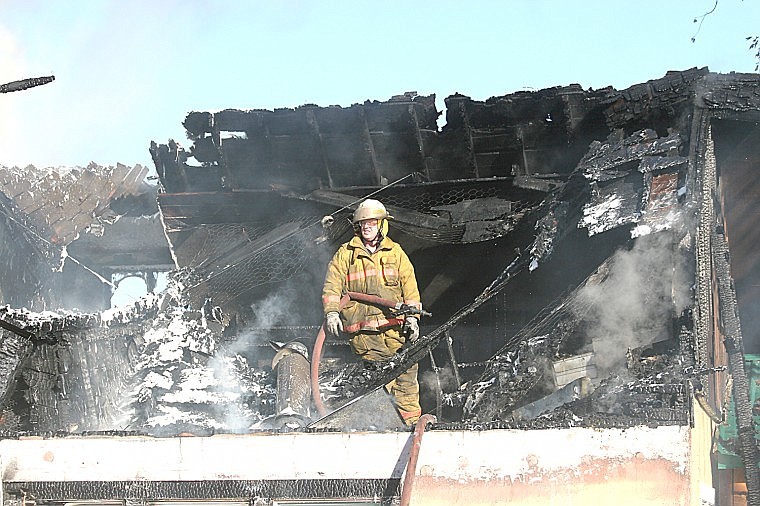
(499, 209)
(233, 259)
(229, 260)
(425, 199)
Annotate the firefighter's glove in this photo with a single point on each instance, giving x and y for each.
(412, 328)
(333, 323)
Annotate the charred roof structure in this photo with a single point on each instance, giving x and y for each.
(587, 256)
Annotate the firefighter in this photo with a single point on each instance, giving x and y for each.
(373, 264)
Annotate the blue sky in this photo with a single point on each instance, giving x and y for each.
(128, 72)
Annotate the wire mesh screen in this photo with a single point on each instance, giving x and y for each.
(474, 211)
(426, 199)
(229, 260)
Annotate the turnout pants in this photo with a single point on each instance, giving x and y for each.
(405, 389)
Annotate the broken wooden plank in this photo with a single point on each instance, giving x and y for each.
(400, 214)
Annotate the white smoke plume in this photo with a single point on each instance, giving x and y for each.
(445, 378)
(276, 309)
(635, 300)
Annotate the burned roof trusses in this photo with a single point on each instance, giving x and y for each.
(65, 202)
(374, 143)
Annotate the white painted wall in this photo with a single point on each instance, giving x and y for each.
(463, 456)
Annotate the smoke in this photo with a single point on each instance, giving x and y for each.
(636, 299)
(443, 379)
(228, 385)
(238, 359)
(279, 308)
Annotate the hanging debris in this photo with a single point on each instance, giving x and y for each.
(24, 84)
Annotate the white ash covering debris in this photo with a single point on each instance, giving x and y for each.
(165, 367)
(604, 215)
(186, 382)
(40, 322)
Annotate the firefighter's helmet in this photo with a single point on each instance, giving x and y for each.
(370, 209)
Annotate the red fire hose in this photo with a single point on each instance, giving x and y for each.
(316, 354)
(414, 452)
(316, 357)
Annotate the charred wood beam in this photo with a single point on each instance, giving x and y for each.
(703, 190)
(439, 386)
(400, 214)
(229, 181)
(420, 142)
(453, 358)
(16, 329)
(24, 84)
(734, 346)
(542, 184)
(311, 119)
(169, 161)
(462, 109)
(37, 325)
(371, 147)
(521, 136)
(15, 348)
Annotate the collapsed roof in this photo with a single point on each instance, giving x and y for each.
(561, 240)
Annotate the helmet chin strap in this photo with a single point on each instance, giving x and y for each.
(375, 241)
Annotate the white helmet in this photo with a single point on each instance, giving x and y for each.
(370, 209)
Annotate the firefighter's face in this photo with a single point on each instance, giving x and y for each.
(368, 229)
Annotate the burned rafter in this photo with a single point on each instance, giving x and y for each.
(461, 109)
(408, 216)
(49, 323)
(420, 140)
(658, 102)
(370, 147)
(312, 120)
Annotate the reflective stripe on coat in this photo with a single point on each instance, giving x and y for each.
(386, 273)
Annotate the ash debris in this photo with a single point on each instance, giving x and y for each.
(188, 379)
(156, 368)
(624, 332)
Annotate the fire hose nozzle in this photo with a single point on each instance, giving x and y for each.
(406, 309)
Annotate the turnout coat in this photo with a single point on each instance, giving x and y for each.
(386, 273)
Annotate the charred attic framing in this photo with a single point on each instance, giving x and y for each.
(587, 256)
